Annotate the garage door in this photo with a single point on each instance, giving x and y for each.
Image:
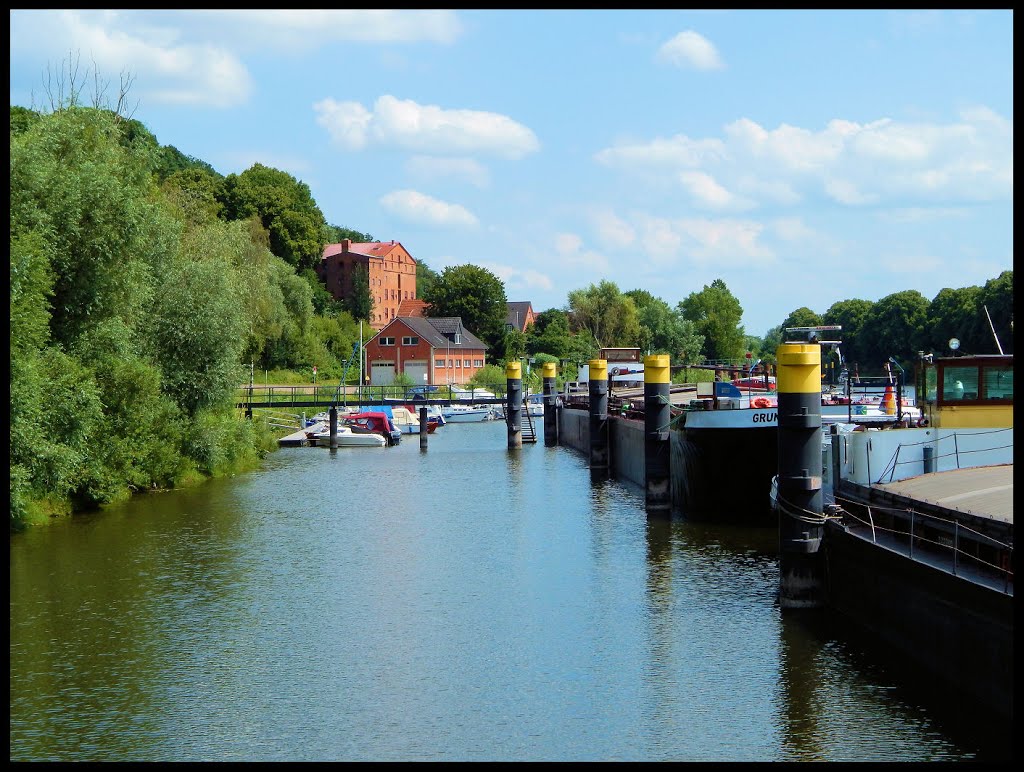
(382, 373)
(416, 370)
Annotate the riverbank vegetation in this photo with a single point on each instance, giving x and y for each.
(146, 288)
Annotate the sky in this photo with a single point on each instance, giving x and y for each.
(802, 157)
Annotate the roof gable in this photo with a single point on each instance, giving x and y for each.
(439, 332)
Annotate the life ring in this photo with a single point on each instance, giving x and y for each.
(922, 422)
(759, 402)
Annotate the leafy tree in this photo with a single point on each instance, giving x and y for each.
(802, 317)
(513, 345)
(286, 209)
(359, 303)
(549, 334)
(997, 296)
(953, 313)
(606, 314)
(476, 295)
(716, 313)
(851, 315)
(195, 192)
(425, 279)
(170, 161)
(770, 345)
(335, 235)
(895, 327)
(664, 330)
(22, 119)
(79, 190)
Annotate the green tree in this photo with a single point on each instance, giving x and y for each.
(476, 295)
(716, 313)
(895, 327)
(802, 317)
(953, 313)
(335, 235)
(606, 314)
(851, 315)
(286, 209)
(997, 297)
(425, 278)
(549, 334)
(359, 303)
(665, 329)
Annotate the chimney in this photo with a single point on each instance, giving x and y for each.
(345, 244)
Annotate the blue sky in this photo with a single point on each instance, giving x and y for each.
(803, 157)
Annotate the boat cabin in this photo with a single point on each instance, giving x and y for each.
(966, 391)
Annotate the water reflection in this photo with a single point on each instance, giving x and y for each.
(470, 603)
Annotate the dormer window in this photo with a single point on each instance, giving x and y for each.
(457, 338)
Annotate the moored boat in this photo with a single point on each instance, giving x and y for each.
(320, 434)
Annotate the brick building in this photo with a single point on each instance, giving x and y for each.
(520, 316)
(390, 269)
(439, 348)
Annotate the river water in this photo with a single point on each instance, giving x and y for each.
(467, 603)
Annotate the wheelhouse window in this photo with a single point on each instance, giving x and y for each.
(976, 382)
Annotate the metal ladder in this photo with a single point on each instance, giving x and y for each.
(526, 427)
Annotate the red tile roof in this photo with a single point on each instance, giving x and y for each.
(412, 307)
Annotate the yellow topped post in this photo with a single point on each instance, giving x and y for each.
(657, 448)
(549, 372)
(514, 403)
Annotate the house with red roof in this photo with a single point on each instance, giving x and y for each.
(390, 269)
(430, 350)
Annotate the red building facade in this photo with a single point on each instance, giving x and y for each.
(391, 272)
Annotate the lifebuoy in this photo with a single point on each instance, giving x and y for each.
(922, 422)
(759, 402)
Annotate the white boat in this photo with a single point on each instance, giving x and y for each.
(408, 422)
(469, 411)
(535, 405)
(462, 414)
(320, 434)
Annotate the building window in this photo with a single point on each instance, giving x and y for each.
(438, 363)
(387, 341)
(478, 363)
(509, 327)
(410, 340)
(458, 363)
(449, 364)
(458, 338)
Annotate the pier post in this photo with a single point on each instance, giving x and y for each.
(801, 525)
(514, 403)
(548, 372)
(423, 427)
(598, 387)
(657, 447)
(333, 413)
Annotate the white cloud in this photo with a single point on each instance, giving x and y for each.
(690, 49)
(193, 56)
(884, 161)
(612, 231)
(164, 67)
(571, 254)
(464, 169)
(516, 278)
(303, 29)
(792, 229)
(407, 125)
(422, 209)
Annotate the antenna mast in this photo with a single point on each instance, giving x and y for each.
(991, 327)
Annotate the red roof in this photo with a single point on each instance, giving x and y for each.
(368, 248)
(412, 307)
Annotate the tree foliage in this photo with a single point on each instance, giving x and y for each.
(716, 313)
(476, 295)
(285, 208)
(606, 314)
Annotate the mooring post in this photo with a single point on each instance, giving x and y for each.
(333, 413)
(598, 388)
(423, 427)
(514, 403)
(548, 372)
(657, 446)
(801, 525)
